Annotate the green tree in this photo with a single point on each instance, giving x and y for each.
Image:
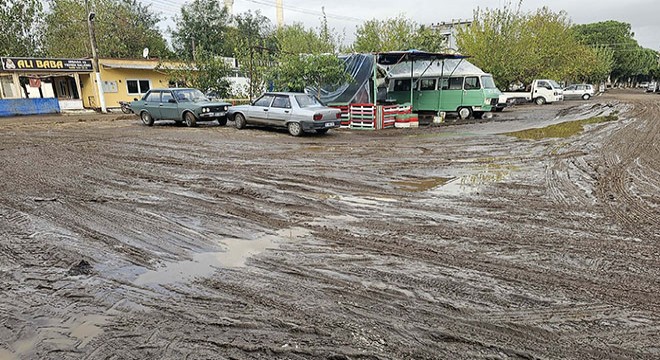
(517, 46)
(397, 33)
(21, 20)
(629, 59)
(305, 59)
(123, 29)
(385, 35)
(208, 73)
(202, 24)
(251, 37)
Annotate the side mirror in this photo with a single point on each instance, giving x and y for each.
(172, 101)
(135, 99)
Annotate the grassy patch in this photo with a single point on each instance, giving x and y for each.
(563, 130)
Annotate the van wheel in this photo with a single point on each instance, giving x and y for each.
(540, 101)
(464, 113)
(586, 97)
(190, 119)
(146, 118)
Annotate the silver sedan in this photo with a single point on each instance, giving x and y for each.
(298, 112)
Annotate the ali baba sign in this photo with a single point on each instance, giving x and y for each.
(45, 64)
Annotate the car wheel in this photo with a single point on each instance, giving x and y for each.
(540, 101)
(191, 121)
(499, 109)
(586, 97)
(240, 122)
(222, 121)
(295, 129)
(147, 119)
(322, 131)
(464, 112)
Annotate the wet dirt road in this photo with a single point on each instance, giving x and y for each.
(119, 241)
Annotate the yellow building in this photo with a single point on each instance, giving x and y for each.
(73, 84)
(124, 80)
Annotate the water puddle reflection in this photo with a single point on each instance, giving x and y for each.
(235, 254)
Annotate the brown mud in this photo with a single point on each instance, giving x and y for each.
(120, 241)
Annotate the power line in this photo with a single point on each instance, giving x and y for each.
(308, 11)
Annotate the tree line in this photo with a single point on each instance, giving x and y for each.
(513, 45)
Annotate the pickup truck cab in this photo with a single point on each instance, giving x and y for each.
(541, 91)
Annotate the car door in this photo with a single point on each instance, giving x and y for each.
(258, 112)
(152, 102)
(169, 109)
(451, 93)
(280, 110)
(569, 92)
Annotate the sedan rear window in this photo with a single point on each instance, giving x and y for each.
(307, 101)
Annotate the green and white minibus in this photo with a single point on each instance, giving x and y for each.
(466, 94)
(442, 84)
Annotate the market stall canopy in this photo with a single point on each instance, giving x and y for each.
(433, 68)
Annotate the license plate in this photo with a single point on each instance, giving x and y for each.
(329, 124)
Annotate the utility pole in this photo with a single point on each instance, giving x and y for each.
(95, 57)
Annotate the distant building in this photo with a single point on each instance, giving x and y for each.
(448, 30)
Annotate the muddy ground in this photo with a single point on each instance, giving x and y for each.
(120, 241)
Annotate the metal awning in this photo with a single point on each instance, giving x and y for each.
(395, 57)
(146, 67)
(129, 66)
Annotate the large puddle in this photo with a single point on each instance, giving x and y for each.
(235, 254)
(468, 182)
(74, 332)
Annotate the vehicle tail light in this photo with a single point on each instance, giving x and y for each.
(338, 115)
(318, 117)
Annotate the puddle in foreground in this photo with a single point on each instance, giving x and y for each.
(75, 332)
(237, 251)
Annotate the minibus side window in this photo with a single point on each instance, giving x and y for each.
(444, 84)
(456, 83)
(427, 84)
(402, 85)
(472, 82)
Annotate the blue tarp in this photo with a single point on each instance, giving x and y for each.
(13, 107)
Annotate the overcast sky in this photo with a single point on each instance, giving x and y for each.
(345, 15)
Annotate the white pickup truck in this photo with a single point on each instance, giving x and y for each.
(541, 91)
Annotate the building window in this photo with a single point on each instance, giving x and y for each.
(138, 86)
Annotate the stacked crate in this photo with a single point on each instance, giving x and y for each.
(406, 118)
(363, 116)
(387, 115)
